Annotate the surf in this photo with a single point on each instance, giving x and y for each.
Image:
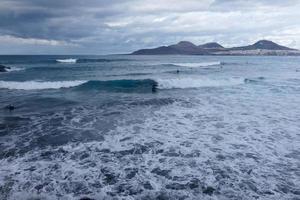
(121, 85)
(184, 83)
(38, 85)
(69, 60)
(124, 85)
(200, 64)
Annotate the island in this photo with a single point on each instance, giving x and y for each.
(262, 47)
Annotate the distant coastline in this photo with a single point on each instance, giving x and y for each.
(260, 48)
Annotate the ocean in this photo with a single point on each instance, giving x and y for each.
(150, 127)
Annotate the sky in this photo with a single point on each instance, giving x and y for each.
(122, 26)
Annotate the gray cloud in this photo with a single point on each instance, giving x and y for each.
(118, 26)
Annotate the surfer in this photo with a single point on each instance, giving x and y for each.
(154, 87)
(10, 107)
(177, 71)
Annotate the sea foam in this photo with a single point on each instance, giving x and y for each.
(11, 69)
(182, 83)
(69, 60)
(37, 85)
(201, 64)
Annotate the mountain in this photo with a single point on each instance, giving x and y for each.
(263, 44)
(262, 47)
(183, 47)
(211, 45)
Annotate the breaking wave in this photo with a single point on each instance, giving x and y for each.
(38, 85)
(182, 83)
(70, 60)
(124, 85)
(11, 69)
(87, 60)
(202, 64)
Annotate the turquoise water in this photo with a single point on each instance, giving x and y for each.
(150, 127)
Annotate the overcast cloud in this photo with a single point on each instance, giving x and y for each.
(121, 26)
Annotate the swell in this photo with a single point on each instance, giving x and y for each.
(86, 60)
(183, 83)
(199, 64)
(61, 61)
(124, 85)
(38, 85)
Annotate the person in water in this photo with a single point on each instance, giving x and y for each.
(10, 107)
(177, 71)
(154, 87)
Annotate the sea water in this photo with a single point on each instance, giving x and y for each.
(150, 127)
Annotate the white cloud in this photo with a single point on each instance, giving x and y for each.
(122, 26)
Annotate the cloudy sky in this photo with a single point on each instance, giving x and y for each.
(121, 26)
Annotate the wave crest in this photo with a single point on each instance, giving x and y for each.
(69, 60)
(11, 69)
(124, 85)
(182, 83)
(37, 85)
(87, 60)
(202, 64)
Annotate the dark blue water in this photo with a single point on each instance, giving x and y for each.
(150, 127)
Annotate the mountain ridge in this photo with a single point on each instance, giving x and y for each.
(261, 47)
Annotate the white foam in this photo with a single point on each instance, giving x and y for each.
(11, 69)
(69, 60)
(182, 83)
(37, 85)
(202, 64)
